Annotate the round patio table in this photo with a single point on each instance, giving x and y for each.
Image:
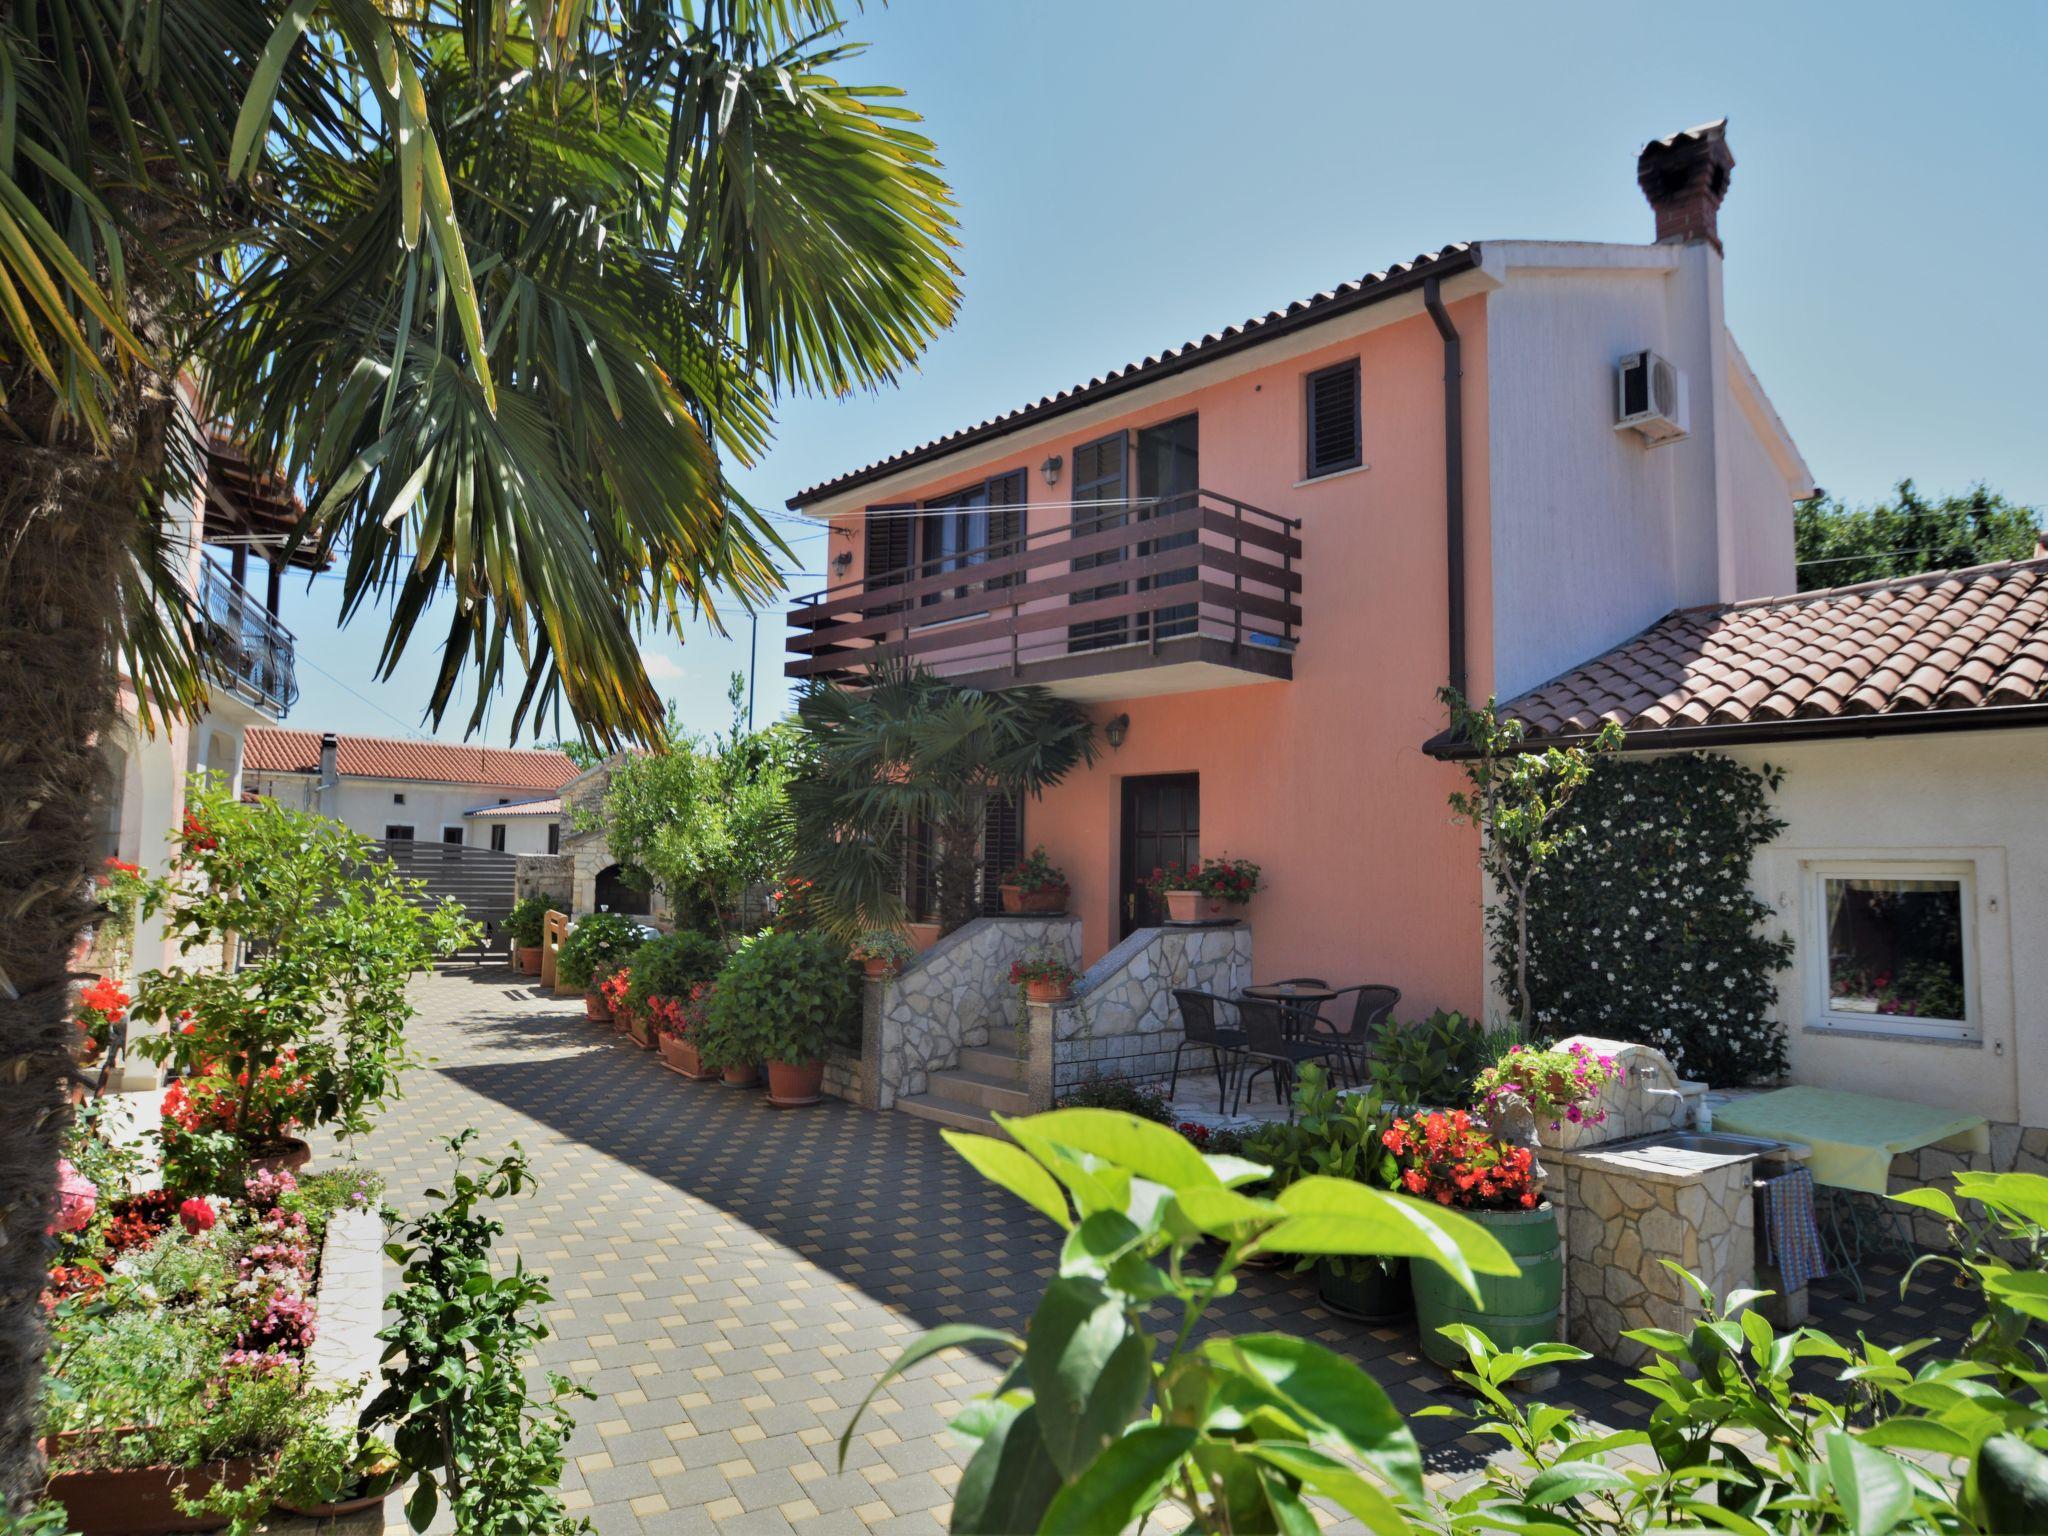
(1299, 1004)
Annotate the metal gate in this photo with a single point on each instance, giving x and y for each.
(482, 879)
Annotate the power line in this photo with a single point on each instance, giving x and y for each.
(344, 687)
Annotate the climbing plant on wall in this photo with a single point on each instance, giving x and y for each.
(1643, 925)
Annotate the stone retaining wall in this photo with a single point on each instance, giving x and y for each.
(2014, 1149)
(955, 994)
(1121, 1021)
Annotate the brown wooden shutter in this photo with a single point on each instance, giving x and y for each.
(1335, 438)
(1006, 523)
(1002, 849)
(887, 556)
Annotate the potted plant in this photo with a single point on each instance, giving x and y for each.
(782, 1001)
(1205, 893)
(523, 927)
(882, 951)
(602, 938)
(679, 1021)
(1035, 885)
(1044, 976)
(1527, 1090)
(614, 988)
(1449, 1159)
(665, 972)
(1341, 1136)
(326, 1472)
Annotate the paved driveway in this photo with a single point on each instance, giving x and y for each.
(730, 1279)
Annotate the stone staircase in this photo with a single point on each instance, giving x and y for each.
(988, 1077)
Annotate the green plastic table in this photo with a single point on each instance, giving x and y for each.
(1853, 1136)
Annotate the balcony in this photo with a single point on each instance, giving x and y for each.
(1127, 599)
(250, 653)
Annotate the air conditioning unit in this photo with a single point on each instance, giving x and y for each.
(1649, 395)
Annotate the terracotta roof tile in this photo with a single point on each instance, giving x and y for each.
(269, 750)
(1945, 640)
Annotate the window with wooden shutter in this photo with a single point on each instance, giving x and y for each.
(1002, 849)
(1005, 523)
(886, 561)
(1100, 491)
(1335, 435)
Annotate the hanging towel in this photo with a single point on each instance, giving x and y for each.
(1791, 1239)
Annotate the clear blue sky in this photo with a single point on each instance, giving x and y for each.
(1132, 173)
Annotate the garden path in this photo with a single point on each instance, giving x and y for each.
(730, 1279)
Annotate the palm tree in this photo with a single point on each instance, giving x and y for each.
(501, 284)
(910, 751)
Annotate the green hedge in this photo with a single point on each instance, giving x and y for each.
(1644, 927)
(785, 997)
(672, 964)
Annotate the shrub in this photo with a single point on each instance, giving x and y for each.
(603, 938)
(1430, 1063)
(1339, 1136)
(786, 997)
(1118, 1093)
(1643, 926)
(527, 920)
(669, 966)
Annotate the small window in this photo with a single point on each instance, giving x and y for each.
(498, 838)
(1335, 436)
(398, 834)
(398, 799)
(1893, 949)
(554, 837)
(451, 834)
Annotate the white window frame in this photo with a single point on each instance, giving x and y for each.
(1821, 1014)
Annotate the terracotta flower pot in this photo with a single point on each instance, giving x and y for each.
(641, 1029)
(141, 1501)
(529, 960)
(792, 1086)
(922, 936)
(748, 1076)
(1194, 907)
(1048, 991)
(286, 1155)
(683, 1058)
(356, 1506)
(596, 1008)
(878, 968)
(1017, 900)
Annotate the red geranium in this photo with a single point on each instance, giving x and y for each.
(197, 1216)
(1446, 1158)
(100, 1007)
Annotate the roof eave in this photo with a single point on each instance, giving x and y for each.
(1917, 722)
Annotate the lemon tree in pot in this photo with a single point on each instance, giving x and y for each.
(783, 1001)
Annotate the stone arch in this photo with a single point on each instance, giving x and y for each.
(614, 894)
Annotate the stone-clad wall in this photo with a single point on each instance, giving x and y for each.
(1121, 1020)
(952, 995)
(2014, 1149)
(552, 875)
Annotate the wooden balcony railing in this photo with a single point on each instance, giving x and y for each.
(1199, 576)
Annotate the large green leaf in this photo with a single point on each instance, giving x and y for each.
(1342, 1216)
(1089, 1370)
(1326, 1475)
(1009, 1481)
(1331, 1397)
(934, 1341)
(1871, 1485)
(1008, 1165)
(1224, 1212)
(1094, 1247)
(1147, 1148)
(1122, 1484)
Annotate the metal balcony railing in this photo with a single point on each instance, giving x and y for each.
(1111, 588)
(251, 652)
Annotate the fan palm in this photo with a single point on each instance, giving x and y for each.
(910, 752)
(502, 284)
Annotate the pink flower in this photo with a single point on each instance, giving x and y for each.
(76, 1198)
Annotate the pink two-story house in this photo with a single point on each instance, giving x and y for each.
(1257, 556)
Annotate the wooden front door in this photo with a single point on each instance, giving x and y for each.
(1162, 825)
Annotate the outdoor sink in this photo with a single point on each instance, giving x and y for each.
(1713, 1143)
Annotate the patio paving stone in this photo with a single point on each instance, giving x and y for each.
(731, 1279)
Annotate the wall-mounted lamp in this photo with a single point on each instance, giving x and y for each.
(841, 562)
(1117, 732)
(1051, 469)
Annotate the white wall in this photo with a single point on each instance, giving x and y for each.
(1974, 796)
(1595, 534)
(367, 806)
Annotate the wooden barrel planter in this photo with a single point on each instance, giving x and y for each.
(1372, 1292)
(1514, 1310)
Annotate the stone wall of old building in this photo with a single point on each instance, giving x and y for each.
(1121, 1021)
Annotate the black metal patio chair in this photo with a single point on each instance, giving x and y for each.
(1371, 1006)
(1266, 1041)
(1200, 1031)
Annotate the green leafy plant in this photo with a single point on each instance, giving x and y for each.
(1096, 1422)
(787, 997)
(325, 1465)
(1997, 1226)
(310, 1029)
(1121, 1094)
(1036, 873)
(1333, 1135)
(1837, 545)
(1516, 798)
(602, 938)
(887, 945)
(1644, 924)
(668, 967)
(1045, 965)
(1551, 1086)
(912, 755)
(1429, 1062)
(526, 923)
(455, 1395)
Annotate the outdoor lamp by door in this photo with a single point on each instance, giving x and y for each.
(1051, 469)
(1117, 731)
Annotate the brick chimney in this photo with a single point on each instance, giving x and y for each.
(1685, 177)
